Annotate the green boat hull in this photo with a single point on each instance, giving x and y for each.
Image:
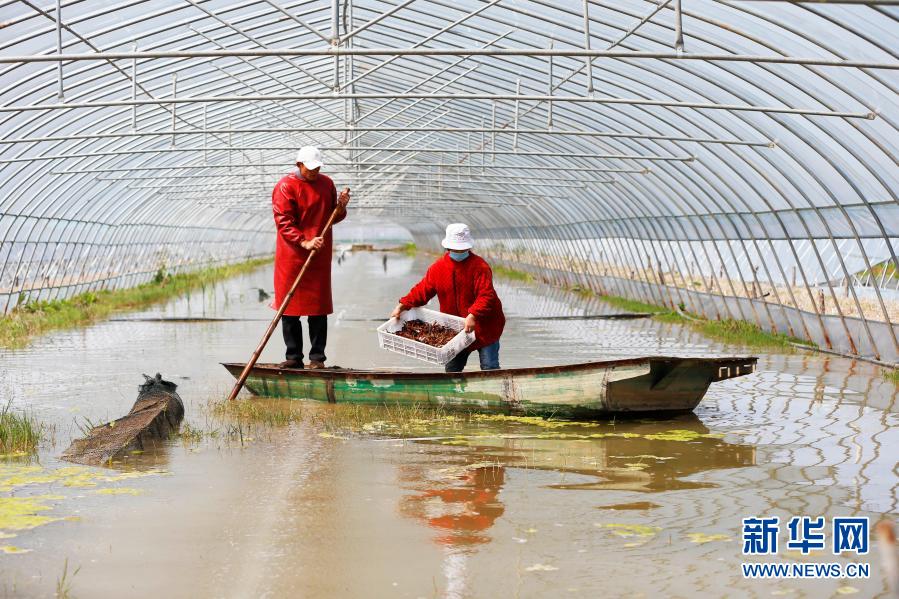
(637, 385)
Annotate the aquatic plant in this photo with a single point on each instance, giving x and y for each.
(31, 318)
(890, 375)
(630, 530)
(23, 513)
(64, 582)
(510, 273)
(20, 432)
(399, 419)
(271, 412)
(740, 331)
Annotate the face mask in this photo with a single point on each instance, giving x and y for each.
(458, 256)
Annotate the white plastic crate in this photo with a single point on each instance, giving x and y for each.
(422, 351)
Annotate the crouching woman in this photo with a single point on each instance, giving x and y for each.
(463, 283)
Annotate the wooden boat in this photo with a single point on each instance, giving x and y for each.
(633, 385)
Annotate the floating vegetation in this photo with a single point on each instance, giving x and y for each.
(117, 491)
(634, 505)
(890, 375)
(536, 421)
(11, 549)
(20, 432)
(24, 513)
(541, 568)
(631, 530)
(31, 318)
(17, 476)
(681, 435)
(701, 537)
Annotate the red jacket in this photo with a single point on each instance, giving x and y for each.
(301, 208)
(463, 288)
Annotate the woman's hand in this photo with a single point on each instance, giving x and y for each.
(315, 243)
(344, 198)
(397, 311)
(469, 323)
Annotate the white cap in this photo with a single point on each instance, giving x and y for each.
(310, 156)
(458, 237)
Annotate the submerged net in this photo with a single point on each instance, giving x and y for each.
(155, 415)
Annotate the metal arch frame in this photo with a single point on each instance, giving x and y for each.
(704, 186)
(825, 224)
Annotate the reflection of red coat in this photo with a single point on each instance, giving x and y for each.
(463, 288)
(301, 209)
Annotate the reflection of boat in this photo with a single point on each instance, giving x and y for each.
(641, 456)
(634, 385)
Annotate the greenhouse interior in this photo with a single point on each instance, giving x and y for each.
(682, 217)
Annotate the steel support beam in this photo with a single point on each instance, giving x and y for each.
(424, 51)
(440, 96)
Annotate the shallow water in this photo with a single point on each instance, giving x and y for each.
(460, 507)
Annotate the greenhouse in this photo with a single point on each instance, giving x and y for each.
(670, 189)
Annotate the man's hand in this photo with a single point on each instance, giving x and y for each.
(315, 243)
(344, 198)
(469, 323)
(397, 311)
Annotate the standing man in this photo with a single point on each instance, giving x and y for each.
(463, 283)
(302, 202)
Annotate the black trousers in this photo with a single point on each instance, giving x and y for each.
(293, 337)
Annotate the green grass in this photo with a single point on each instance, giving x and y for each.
(64, 582)
(20, 433)
(891, 375)
(340, 418)
(629, 305)
(512, 274)
(410, 249)
(737, 332)
(727, 331)
(746, 333)
(29, 319)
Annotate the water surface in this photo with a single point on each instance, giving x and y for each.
(460, 507)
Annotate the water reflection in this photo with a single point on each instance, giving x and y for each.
(458, 486)
(461, 509)
(643, 456)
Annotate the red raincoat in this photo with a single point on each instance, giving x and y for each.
(463, 288)
(301, 209)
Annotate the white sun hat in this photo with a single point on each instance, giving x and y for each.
(310, 156)
(458, 237)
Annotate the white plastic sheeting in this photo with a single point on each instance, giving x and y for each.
(768, 146)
